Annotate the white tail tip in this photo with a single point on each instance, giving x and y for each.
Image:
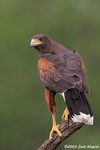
(83, 118)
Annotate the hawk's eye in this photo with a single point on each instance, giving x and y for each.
(41, 39)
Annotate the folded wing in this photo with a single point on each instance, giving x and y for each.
(63, 72)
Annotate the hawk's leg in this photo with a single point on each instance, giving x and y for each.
(49, 95)
(55, 127)
(65, 114)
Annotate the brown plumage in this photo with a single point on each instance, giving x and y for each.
(59, 70)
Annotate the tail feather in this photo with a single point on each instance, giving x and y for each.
(78, 106)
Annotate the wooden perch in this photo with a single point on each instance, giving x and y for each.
(66, 128)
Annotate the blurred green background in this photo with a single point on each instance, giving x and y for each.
(24, 118)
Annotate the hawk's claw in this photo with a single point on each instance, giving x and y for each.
(55, 129)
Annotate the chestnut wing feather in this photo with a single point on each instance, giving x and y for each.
(63, 73)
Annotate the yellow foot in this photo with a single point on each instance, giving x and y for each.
(65, 114)
(55, 129)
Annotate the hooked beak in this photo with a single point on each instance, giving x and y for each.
(35, 42)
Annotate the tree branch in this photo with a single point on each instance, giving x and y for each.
(67, 128)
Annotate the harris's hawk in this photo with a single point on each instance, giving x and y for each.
(62, 71)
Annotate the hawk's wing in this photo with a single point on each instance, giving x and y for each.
(63, 72)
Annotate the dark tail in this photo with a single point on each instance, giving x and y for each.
(78, 106)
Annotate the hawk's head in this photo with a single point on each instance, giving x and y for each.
(41, 42)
